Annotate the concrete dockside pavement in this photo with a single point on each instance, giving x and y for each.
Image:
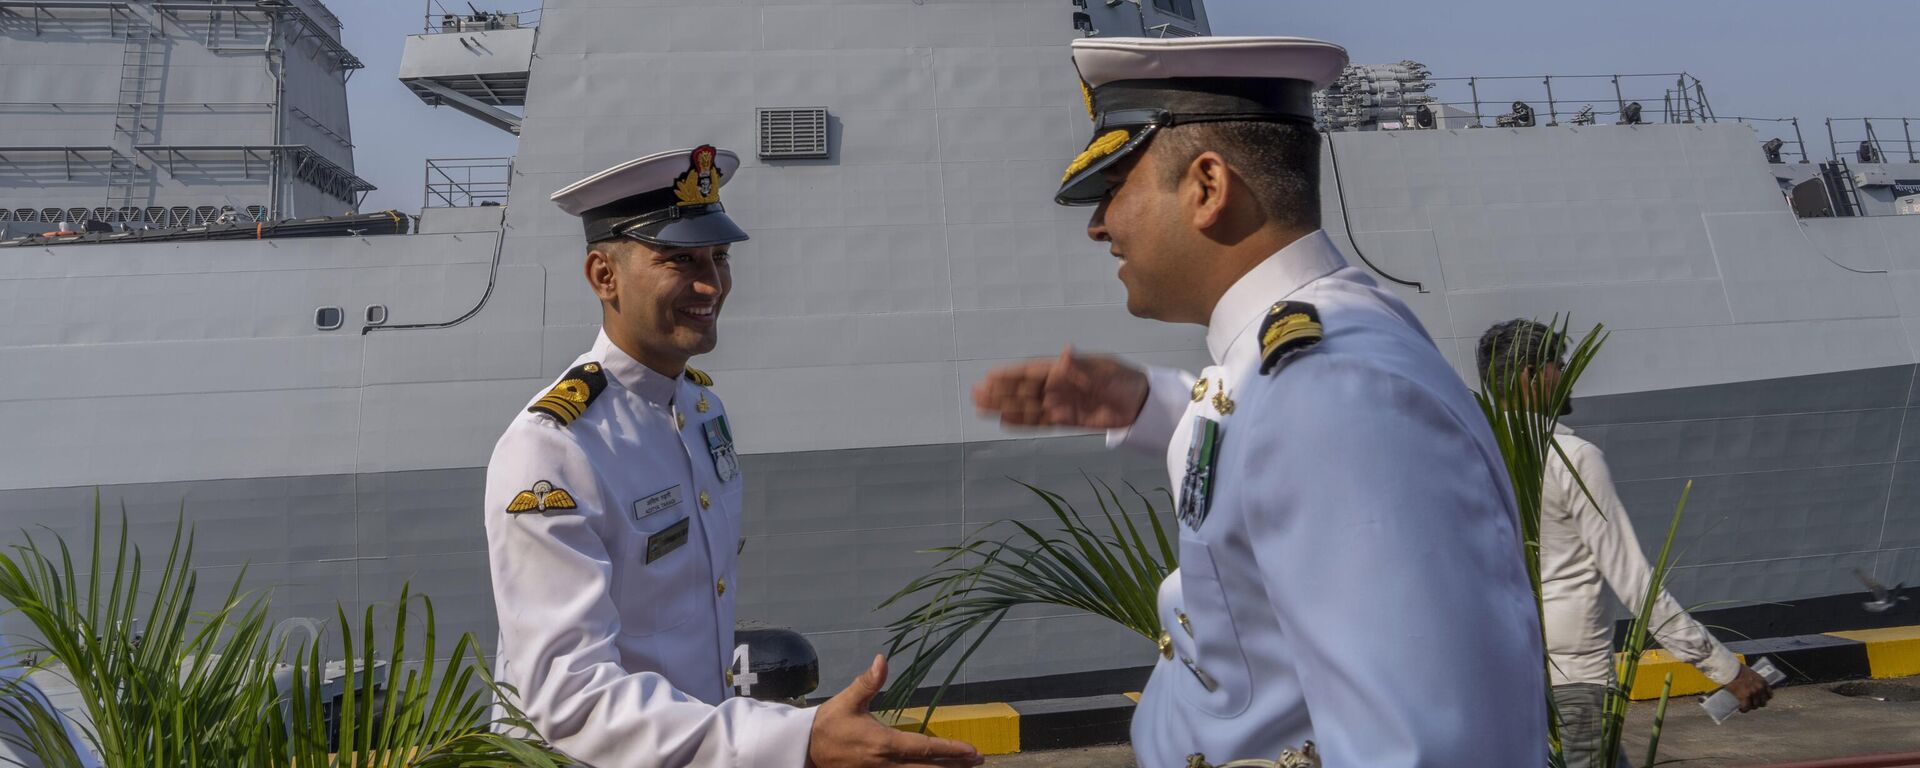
(1806, 721)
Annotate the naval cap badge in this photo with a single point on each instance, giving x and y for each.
(700, 185)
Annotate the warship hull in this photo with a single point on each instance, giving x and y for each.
(1768, 359)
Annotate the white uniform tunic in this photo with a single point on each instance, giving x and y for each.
(1357, 580)
(621, 662)
(1582, 547)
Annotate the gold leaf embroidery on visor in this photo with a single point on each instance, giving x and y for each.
(1107, 144)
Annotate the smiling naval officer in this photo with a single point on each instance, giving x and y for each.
(613, 508)
(1351, 587)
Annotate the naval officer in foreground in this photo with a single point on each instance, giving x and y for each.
(1351, 588)
(613, 513)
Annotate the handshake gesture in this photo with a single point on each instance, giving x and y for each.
(847, 735)
(1086, 392)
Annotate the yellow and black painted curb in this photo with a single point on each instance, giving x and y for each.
(1003, 728)
(1875, 653)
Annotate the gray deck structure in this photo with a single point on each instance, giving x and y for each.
(1769, 358)
(115, 108)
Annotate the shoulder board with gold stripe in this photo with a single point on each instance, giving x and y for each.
(699, 377)
(1290, 328)
(570, 398)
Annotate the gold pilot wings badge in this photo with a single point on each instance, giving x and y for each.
(542, 497)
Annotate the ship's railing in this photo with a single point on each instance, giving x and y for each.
(1872, 139)
(132, 217)
(1785, 130)
(441, 18)
(1675, 97)
(464, 182)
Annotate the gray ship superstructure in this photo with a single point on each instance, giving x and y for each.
(902, 157)
(167, 114)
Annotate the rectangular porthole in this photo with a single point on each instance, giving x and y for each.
(328, 318)
(793, 133)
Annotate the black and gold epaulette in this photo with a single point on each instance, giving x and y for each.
(570, 398)
(699, 377)
(1290, 328)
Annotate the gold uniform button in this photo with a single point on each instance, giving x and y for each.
(1184, 624)
(706, 502)
(721, 586)
(1166, 645)
(729, 674)
(679, 419)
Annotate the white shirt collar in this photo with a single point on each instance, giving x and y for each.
(1303, 261)
(635, 376)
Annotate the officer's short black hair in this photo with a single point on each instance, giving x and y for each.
(1516, 345)
(613, 246)
(1280, 161)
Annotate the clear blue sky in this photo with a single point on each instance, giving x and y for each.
(1842, 58)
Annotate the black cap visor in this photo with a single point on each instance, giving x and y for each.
(1086, 182)
(1139, 108)
(689, 229)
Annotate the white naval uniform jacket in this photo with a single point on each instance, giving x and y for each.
(621, 662)
(1357, 581)
(1582, 547)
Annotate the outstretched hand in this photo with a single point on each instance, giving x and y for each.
(1083, 391)
(845, 733)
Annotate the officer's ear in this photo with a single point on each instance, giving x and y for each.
(602, 274)
(1206, 188)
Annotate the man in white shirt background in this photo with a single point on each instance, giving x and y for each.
(1583, 545)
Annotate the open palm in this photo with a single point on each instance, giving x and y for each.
(1083, 391)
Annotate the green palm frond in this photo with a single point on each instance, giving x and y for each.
(209, 688)
(1523, 417)
(179, 693)
(1639, 636)
(432, 714)
(1114, 573)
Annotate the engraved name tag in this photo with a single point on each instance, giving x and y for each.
(667, 540)
(664, 500)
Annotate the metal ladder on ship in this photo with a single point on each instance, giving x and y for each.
(141, 76)
(1842, 189)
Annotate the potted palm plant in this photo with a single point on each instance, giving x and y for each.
(220, 687)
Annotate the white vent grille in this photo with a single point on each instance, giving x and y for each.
(793, 134)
